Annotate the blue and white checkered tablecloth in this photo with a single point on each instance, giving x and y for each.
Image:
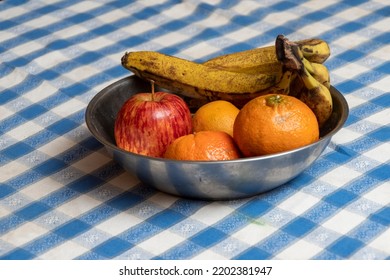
(63, 197)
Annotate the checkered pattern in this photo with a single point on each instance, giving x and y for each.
(63, 197)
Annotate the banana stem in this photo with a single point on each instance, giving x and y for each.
(287, 53)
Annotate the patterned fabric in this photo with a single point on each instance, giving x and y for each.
(63, 197)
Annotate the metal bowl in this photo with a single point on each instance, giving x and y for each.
(209, 180)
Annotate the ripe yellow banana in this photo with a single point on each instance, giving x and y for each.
(264, 59)
(253, 61)
(317, 97)
(197, 80)
(318, 71)
(314, 50)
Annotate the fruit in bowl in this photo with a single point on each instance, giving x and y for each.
(148, 122)
(274, 123)
(204, 145)
(284, 69)
(210, 180)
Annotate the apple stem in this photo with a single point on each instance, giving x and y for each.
(152, 84)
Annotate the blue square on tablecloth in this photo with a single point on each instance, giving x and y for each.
(345, 246)
(340, 197)
(113, 247)
(208, 237)
(299, 227)
(254, 253)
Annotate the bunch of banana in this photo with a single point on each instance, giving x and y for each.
(236, 77)
(314, 90)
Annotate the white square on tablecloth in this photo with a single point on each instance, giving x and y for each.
(96, 44)
(300, 250)
(246, 7)
(350, 42)
(25, 130)
(200, 50)
(298, 203)
(41, 188)
(311, 30)
(254, 232)
(382, 84)
(162, 199)
(381, 25)
(177, 38)
(3, 211)
(380, 194)
(78, 206)
(91, 162)
(208, 255)
(343, 222)
(41, 22)
(13, 78)
(348, 72)
(380, 118)
(113, 16)
(379, 153)
(212, 214)
(12, 169)
(213, 20)
(124, 181)
(84, 6)
(186, 9)
(4, 113)
(65, 251)
(119, 223)
(8, 35)
(73, 31)
(161, 242)
(82, 73)
(138, 27)
(57, 146)
(319, 5)
(49, 60)
(242, 34)
(382, 241)
(41, 92)
(340, 176)
(345, 136)
(281, 17)
(27, 48)
(354, 14)
(13, 12)
(23, 234)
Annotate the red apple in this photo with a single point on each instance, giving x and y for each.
(148, 122)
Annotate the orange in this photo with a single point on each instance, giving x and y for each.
(203, 145)
(216, 115)
(274, 123)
